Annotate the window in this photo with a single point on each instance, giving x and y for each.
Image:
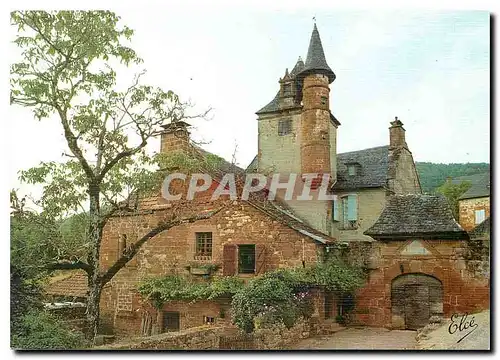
(287, 89)
(324, 100)
(480, 216)
(122, 245)
(350, 211)
(246, 259)
(208, 320)
(351, 170)
(171, 321)
(203, 246)
(284, 127)
(335, 210)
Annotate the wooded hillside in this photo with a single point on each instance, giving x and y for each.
(433, 175)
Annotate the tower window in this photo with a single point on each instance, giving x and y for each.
(287, 89)
(284, 127)
(324, 100)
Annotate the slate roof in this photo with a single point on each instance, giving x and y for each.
(273, 106)
(316, 61)
(72, 283)
(299, 66)
(481, 230)
(253, 166)
(480, 185)
(425, 216)
(372, 170)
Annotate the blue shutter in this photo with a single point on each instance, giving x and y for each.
(335, 210)
(352, 207)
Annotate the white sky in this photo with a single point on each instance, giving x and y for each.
(385, 64)
(431, 69)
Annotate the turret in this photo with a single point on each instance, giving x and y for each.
(315, 119)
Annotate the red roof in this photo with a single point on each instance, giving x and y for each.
(74, 284)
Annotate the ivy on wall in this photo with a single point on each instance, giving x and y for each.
(282, 295)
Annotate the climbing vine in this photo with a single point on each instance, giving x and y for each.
(176, 287)
(282, 295)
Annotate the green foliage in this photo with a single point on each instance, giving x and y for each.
(266, 295)
(41, 331)
(67, 73)
(338, 276)
(284, 295)
(452, 192)
(177, 287)
(434, 175)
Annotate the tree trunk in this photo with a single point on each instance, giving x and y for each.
(94, 283)
(92, 313)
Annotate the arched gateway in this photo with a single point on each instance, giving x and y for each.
(415, 298)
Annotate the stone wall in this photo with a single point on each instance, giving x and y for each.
(280, 154)
(277, 336)
(199, 338)
(467, 208)
(402, 176)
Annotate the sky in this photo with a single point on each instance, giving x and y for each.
(428, 68)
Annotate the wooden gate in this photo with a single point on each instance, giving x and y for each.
(415, 298)
(237, 342)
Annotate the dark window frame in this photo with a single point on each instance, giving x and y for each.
(246, 250)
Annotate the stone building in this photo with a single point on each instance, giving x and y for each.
(474, 204)
(408, 243)
(420, 269)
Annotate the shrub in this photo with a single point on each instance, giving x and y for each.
(40, 330)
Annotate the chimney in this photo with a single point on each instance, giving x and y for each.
(397, 135)
(175, 137)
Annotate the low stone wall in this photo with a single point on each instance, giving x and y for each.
(277, 336)
(198, 338)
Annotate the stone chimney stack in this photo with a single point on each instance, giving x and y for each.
(175, 137)
(397, 135)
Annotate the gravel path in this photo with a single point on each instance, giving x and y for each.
(365, 338)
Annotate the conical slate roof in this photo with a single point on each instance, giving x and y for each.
(316, 61)
(299, 66)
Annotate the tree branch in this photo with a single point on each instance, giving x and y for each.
(134, 248)
(71, 266)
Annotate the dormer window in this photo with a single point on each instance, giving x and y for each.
(351, 169)
(287, 89)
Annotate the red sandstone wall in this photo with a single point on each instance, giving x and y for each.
(170, 252)
(461, 291)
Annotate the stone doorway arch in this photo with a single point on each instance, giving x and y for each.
(415, 298)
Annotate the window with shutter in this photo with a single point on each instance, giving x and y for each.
(229, 259)
(352, 207)
(246, 259)
(335, 210)
(479, 216)
(349, 206)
